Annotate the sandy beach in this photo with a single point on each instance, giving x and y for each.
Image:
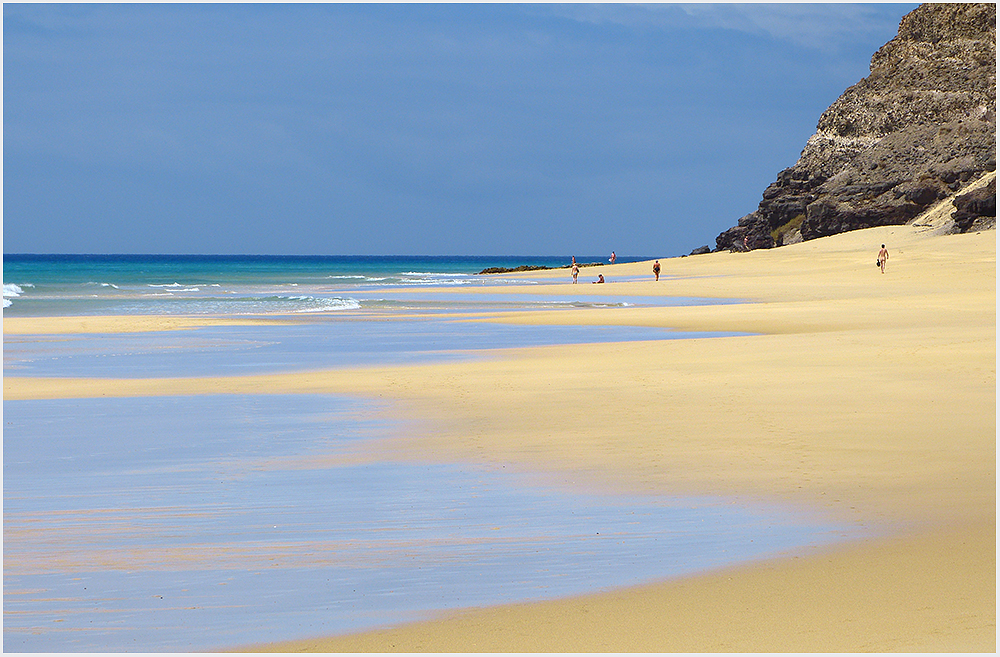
(868, 396)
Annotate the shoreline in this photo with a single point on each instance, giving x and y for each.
(779, 605)
(869, 396)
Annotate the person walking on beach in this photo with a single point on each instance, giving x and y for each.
(612, 258)
(576, 271)
(656, 269)
(883, 255)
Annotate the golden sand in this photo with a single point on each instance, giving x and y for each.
(869, 396)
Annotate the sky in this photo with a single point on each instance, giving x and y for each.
(378, 129)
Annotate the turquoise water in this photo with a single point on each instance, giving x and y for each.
(210, 521)
(241, 285)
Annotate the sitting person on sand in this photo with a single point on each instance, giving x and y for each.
(600, 278)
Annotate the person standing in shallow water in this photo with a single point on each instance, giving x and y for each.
(883, 255)
(656, 269)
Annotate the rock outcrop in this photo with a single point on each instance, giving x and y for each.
(918, 129)
(973, 208)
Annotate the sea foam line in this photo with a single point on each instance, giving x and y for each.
(12, 291)
(433, 273)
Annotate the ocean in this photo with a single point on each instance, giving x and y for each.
(201, 522)
(47, 285)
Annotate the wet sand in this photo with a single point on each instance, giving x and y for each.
(116, 324)
(204, 533)
(868, 396)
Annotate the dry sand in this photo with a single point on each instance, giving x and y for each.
(871, 397)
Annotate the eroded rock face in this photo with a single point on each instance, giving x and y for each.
(916, 130)
(972, 208)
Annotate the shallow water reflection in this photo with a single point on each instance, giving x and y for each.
(191, 523)
(319, 344)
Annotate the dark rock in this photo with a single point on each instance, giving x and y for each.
(727, 240)
(752, 233)
(829, 217)
(976, 206)
(919, 128)
(508, 270)
(922, 195)
(701, 250)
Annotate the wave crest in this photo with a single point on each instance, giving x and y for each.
(12, 291)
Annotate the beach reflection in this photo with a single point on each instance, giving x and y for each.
(322, 343)
(198, 522)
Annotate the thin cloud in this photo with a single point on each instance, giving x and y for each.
(823, 27)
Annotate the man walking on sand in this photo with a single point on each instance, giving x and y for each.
(656, 269)
(576, 270)
(883, 255)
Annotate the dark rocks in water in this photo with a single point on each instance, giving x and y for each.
(510, 270)
(918, 129)
(507, 270)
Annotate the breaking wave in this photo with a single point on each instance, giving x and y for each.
(12, 291)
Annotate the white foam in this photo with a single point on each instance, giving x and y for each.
(174, 287)
(510, 281)
(10, 290)
(328, 305)
(437, 281)
(181, 285)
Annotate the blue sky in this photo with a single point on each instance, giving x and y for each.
(411, 129)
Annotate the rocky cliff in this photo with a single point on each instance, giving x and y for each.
(918, 129)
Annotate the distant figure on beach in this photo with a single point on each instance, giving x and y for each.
(612, 258)
(576, 270)
(883, 255)
(656, 269)
(600, 278)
